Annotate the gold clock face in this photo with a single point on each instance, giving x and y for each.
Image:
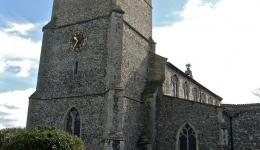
(77, 41)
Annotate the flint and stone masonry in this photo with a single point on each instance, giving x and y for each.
(100, 79)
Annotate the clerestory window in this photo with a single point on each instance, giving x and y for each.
(203, 98)
(186, 90)
(175, 86)
(210, 100)
(195, 94)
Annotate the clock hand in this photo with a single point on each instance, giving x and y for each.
(76, 43)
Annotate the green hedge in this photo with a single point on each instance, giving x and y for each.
(41, 138)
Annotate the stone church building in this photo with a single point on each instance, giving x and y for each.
(100, 79)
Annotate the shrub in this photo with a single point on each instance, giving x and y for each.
(40, 138)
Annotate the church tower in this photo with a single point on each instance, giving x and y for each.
(94, 70)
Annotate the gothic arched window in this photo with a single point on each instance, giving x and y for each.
(195, 94)
(72, 122)
(203, 98)
(210, 100)
(175, 86)
(187, 139)
(186, 90)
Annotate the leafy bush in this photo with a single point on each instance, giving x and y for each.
(41, 138)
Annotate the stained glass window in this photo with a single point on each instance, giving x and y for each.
(187, 138)
(73, 122)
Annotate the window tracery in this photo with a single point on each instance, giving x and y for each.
(187, 138)
(72, 122)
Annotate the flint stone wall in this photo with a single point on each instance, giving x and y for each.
(245, 125)
(174, 112)
(53, 113)
(67, 12)
(56, 77)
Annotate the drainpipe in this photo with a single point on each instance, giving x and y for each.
(231, 133)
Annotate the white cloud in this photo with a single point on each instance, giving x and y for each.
(18, 47)
(14, 104)
(1, 127)
(18, 50)
(2, 66)
(221, 42)
(20, 28)
(24, 67)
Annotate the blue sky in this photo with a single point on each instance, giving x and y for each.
(31, 10)
(215, 36)
(39, 12)
(17, 11)
(20, 24)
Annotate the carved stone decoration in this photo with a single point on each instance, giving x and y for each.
(77, 41)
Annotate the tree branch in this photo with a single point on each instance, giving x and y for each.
(256, 92)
